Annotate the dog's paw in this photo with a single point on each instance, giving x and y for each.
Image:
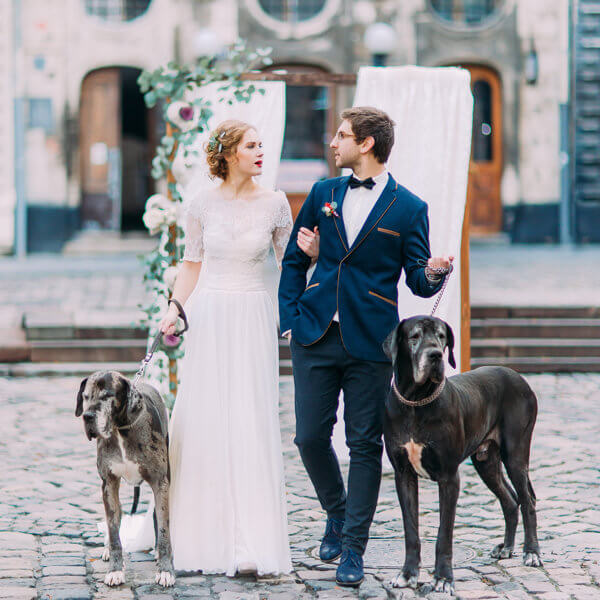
(501, 552)
(532, 559)
(403, 582)
(443, 585)
(165, 578)
(105, 553)
(114, 578)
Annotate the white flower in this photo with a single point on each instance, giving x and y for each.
(169, 277)
(183, 115)
(153, 220)
(160, 213)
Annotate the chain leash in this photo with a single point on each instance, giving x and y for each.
(445, 272)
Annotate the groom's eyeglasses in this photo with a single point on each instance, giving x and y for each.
(341, 135)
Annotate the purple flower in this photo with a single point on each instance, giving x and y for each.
(186, 113)
(172, 341)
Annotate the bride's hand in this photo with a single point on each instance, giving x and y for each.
(167, 323)
(308, 241)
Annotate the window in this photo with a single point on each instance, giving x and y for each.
(482, 122)
(292, 11)
(117, 10)
(465, 12)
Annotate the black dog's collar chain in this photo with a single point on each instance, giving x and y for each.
(423, 401)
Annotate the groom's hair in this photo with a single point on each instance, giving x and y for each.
(368, 121)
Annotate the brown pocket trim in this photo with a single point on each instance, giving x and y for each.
(312, 285)
(390, 231)
(383, 298)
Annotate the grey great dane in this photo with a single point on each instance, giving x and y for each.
(131, 427)
(432, 424)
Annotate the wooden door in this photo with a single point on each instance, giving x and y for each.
(485, 167)
(99, 144)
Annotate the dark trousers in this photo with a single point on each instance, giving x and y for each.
(320, 372)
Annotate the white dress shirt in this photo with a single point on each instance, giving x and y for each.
(358, 203)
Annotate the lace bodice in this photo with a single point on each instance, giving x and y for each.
(232, 237)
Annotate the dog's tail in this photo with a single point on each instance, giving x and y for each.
(136, 499)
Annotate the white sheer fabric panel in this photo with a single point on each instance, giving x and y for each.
(265, 112)
(433, 111)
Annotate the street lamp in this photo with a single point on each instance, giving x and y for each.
(380, 40)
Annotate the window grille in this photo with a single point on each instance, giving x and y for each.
(292, 11)
(116, 10)
(465, 12)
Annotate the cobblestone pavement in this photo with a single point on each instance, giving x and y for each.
(50, 503)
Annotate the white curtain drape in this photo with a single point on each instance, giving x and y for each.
(265, 112)
(433, 112)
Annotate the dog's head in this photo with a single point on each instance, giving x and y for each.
(103, 400)
(418, 344)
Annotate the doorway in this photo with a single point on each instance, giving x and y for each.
(116, 142)
(485, 166)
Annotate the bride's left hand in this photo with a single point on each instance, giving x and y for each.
(308, 241)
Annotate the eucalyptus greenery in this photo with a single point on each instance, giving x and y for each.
(168, 88)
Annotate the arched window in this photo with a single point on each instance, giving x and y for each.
(117, 10)
(465, 12)
(292, 11)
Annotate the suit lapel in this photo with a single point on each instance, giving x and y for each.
(338, 193)
(385, 200)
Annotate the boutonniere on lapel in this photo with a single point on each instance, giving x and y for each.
(329, 209)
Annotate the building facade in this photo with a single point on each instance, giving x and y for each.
(86, 140)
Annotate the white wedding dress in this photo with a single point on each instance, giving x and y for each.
(227, 499)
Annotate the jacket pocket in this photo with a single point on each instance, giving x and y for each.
(383, 298)
(312, 285)
(388, 231)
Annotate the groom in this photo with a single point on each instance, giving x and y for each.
(371, 228)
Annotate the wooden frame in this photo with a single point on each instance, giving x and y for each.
(337, 79)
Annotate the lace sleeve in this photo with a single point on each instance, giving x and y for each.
(194, 234)
(282, 226)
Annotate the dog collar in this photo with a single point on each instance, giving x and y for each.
(130, 425)
(423, 401)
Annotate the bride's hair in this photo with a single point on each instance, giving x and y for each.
(223, 142)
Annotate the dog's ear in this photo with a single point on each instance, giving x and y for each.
(79, 405)
(135, 401)
(450, 345)
(390, 344)
(122, 389)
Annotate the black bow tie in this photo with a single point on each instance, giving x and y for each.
(368, 183)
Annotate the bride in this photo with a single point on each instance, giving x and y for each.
(227, 502)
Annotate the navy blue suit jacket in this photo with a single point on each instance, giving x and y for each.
(358, 281)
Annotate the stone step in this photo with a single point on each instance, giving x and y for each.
(502, 347)
(577, 328)
(542, 364)
(541, 312)
(64, 369)
(100, 325)
(120, 350)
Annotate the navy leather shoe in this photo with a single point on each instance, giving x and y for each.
(331, 544)
(350, 573)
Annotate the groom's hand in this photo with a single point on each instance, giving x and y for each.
(436, 263)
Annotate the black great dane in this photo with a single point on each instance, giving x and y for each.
(432, 424)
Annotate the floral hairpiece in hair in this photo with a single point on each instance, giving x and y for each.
(214, 140)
